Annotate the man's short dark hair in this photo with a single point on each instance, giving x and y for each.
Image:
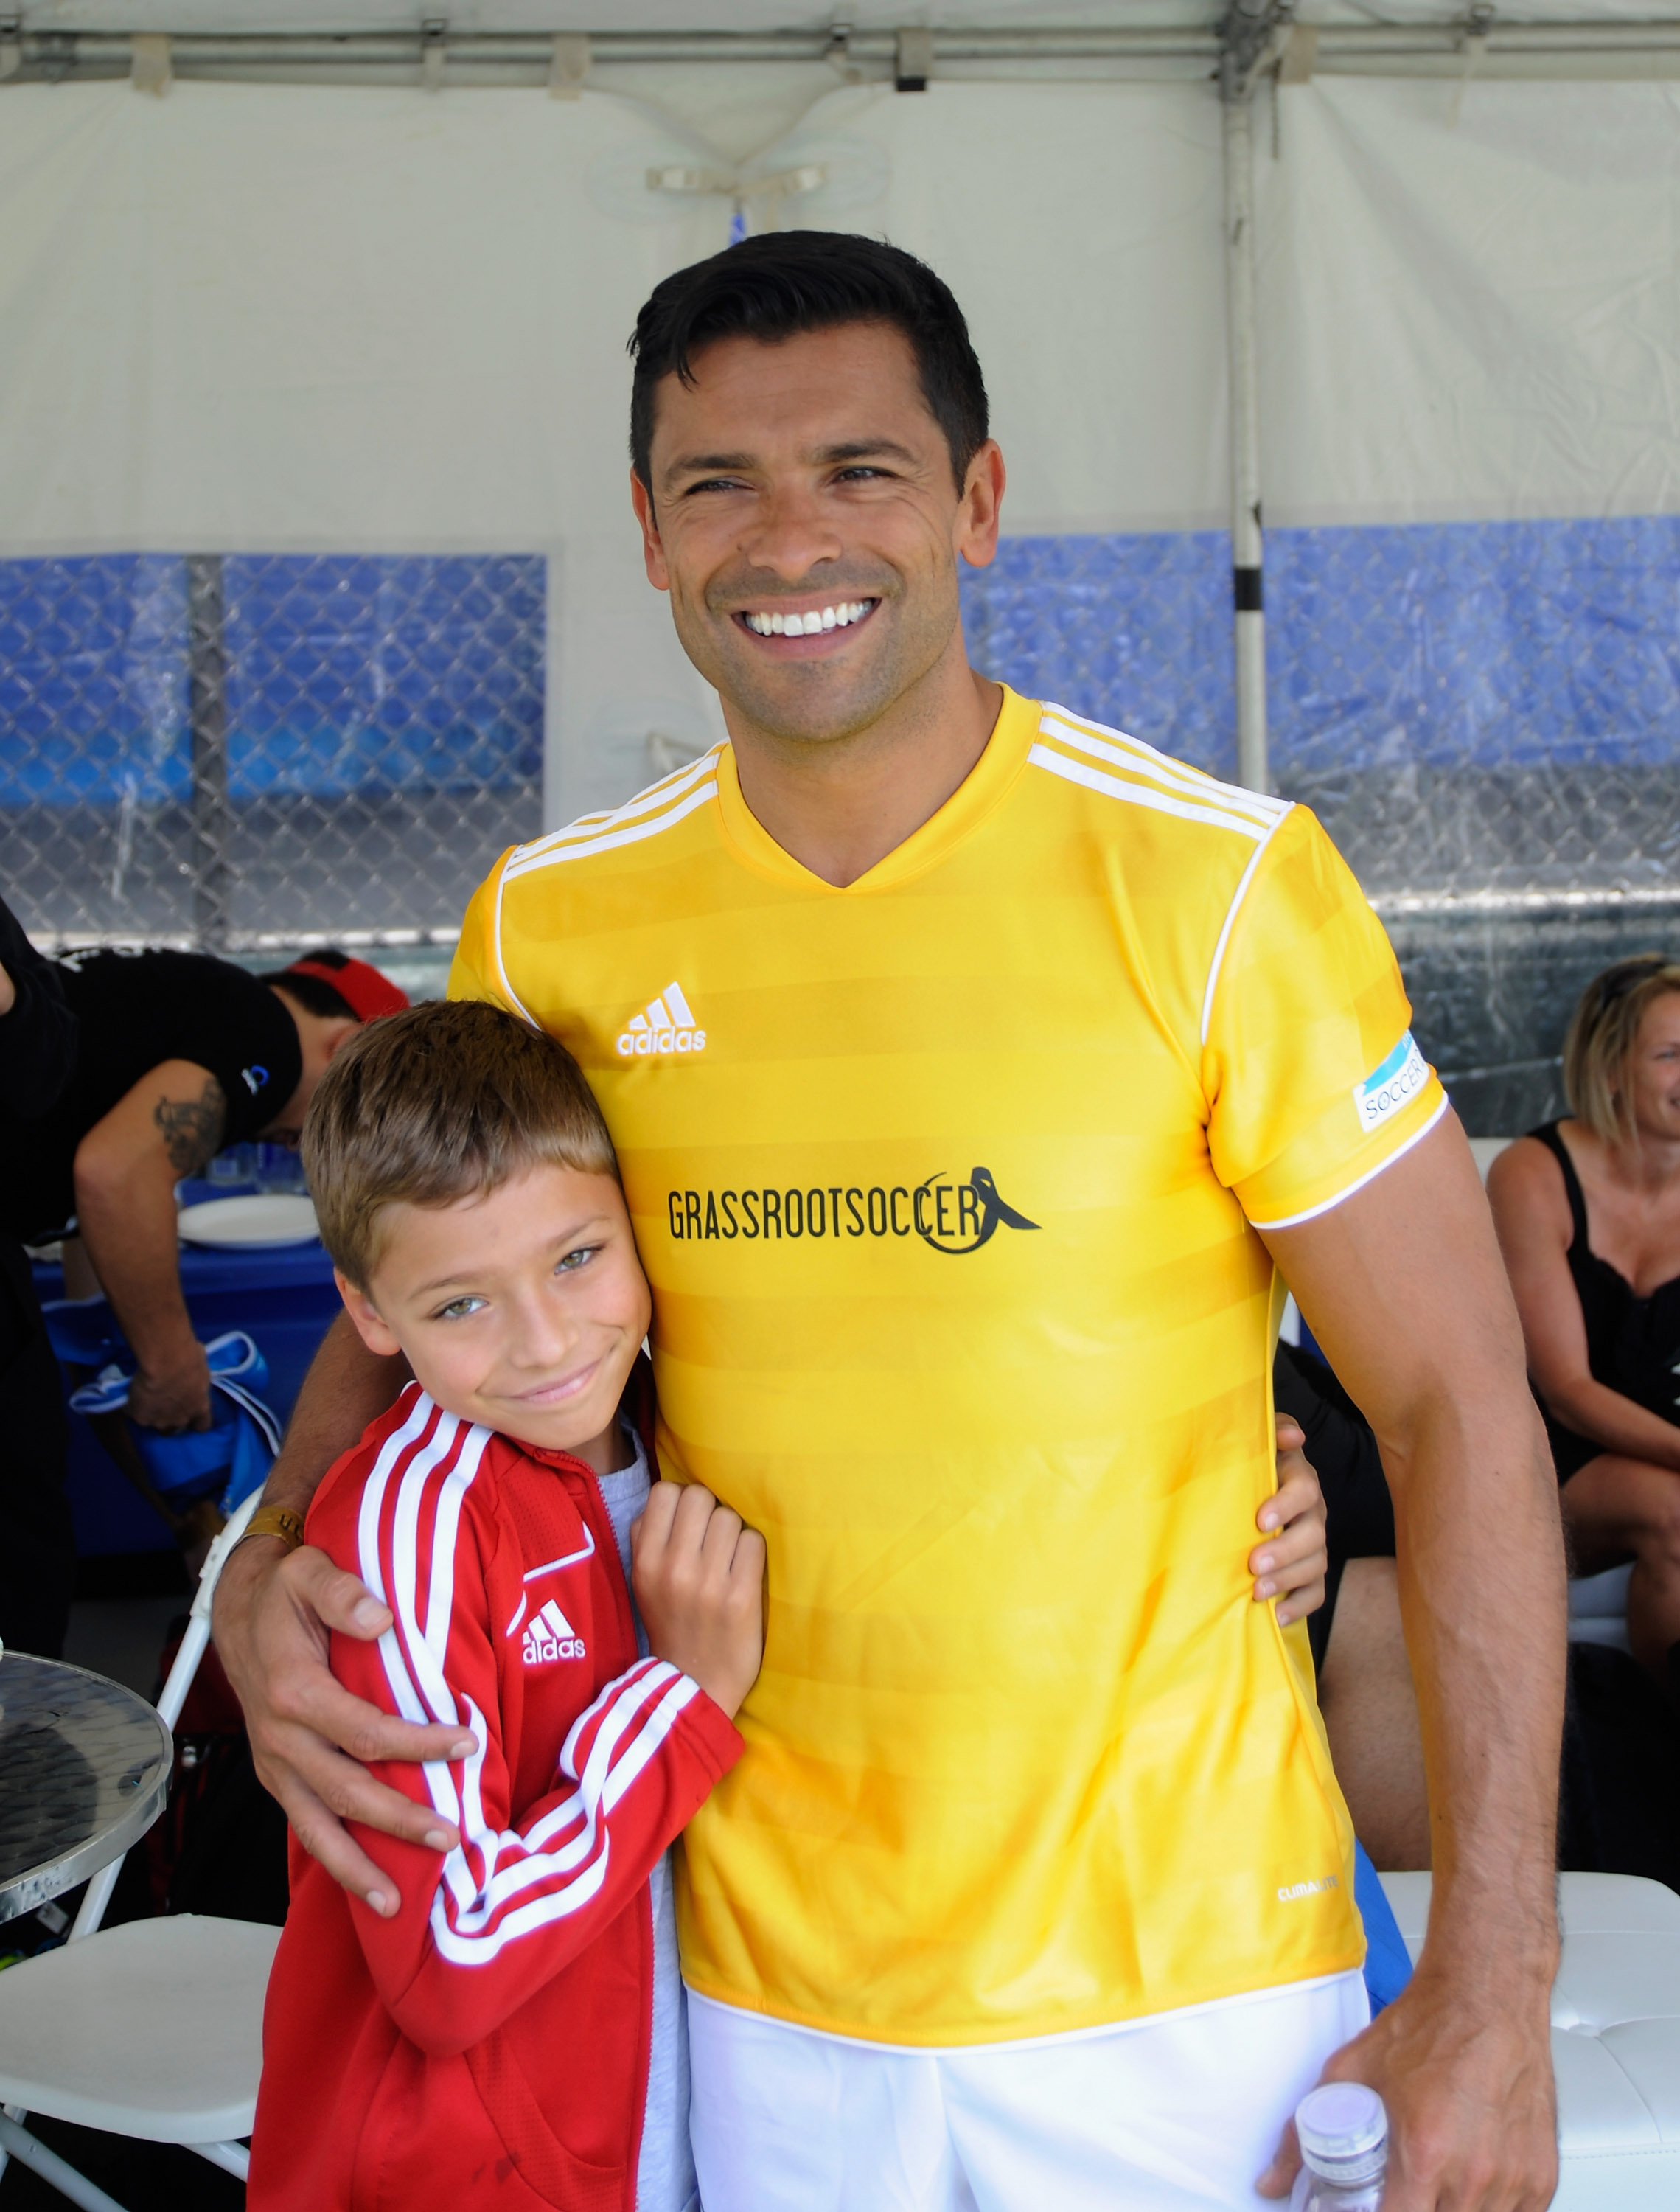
(314, 993)
(787, 282)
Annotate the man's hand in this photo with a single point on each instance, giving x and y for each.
(1467, 2082)
(700, 1583)
(309, 1737)
(174, 1392)
(1291, 1565)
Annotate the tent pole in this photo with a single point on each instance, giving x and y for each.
(211, 866)
(1615, 49)
(1236, 108)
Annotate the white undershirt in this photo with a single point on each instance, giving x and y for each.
(665, 2168)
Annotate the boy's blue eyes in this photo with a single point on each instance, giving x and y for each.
(567, 1264)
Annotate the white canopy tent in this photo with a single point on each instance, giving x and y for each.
(1046, 160)
(360, 283)
(329, 279)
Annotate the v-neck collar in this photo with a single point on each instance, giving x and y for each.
(984, 787)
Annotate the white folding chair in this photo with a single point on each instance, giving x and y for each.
(1599, 1607)
(1615, 2036)
(153, 2030)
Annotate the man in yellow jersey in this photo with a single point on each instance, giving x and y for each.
(970, 1066)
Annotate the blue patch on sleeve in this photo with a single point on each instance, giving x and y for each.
(1391, 1086)
(1395, 1062)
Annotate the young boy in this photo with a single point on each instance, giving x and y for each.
(514, 2032)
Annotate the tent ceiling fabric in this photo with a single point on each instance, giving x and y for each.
(377, 321)
(302, 17)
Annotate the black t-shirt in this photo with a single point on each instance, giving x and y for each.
(135, 1010)
(38, 1036)
(37, 1052)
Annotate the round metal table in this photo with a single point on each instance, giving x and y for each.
(84, 1771)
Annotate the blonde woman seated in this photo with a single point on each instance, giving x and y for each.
(1588, 1215)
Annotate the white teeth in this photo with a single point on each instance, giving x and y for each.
(778, 625)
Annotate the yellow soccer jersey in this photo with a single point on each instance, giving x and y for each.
(944, 1183)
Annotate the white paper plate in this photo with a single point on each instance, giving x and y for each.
(271, 1217)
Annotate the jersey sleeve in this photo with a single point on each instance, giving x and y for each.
(480, 1930)
(476, 970)
(1314, 1082)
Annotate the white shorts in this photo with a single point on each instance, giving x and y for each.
(1180, 2110)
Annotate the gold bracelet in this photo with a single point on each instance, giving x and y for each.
(274, 1521)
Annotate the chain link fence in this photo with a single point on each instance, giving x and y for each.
(244, 751)
(1481, 711)
(1485, 716)
(235, 751)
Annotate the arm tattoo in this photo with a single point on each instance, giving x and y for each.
(191, 1129)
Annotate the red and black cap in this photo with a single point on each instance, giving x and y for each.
(365, 992)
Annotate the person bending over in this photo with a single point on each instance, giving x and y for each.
(514, 2036)
(176, 1056)
(1588, 1214)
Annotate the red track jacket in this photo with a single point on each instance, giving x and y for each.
(489, 2044)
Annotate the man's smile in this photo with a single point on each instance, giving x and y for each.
(780, 627)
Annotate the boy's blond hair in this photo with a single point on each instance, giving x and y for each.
(1602, 1032)
(442, 1101)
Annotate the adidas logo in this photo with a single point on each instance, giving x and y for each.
(549, 1637)
(665, 1024)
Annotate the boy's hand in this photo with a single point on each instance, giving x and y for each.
(699, 1577)
(1291, 1565)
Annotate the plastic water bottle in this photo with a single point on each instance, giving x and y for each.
(1344, 2133)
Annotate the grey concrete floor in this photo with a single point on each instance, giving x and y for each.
(122, 1637)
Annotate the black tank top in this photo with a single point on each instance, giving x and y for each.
(1632, 1343)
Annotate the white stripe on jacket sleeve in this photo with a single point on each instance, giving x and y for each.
(498, 1884)
(429, 1444)
(560, 1866)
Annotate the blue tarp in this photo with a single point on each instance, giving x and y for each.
(1476, 643)
(1483, 644)
(366, 675)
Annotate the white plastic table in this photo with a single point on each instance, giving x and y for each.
(84, 1771)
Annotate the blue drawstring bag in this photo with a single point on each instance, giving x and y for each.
(232, 1455)
(1387, 1961)
(83, 1332)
